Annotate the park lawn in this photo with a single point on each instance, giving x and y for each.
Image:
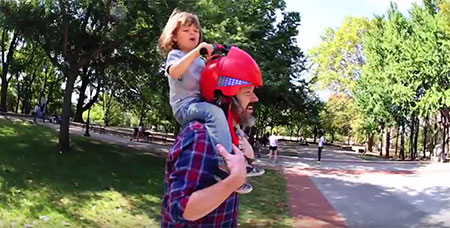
(101, 185)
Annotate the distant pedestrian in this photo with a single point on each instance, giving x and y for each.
(37, 109)
(273, 147)
(439, 153)
(320, 148)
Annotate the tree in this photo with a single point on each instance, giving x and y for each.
(338, 115)
(74, 33)
(10, 39)
(338, 60)
(91, 76)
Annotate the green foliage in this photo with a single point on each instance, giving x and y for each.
(338, 60)
(338, 115)
(118, 41)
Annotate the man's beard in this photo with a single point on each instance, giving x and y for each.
(246, 118)
(248, 121)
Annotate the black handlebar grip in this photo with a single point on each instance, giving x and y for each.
(203, 51)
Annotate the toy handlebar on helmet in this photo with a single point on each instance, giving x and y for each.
(227, 70)
(217, 49)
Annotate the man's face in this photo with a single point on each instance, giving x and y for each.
(246, 95)
(245, 98)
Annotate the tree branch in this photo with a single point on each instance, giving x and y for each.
(94, 99)
(10, 56)
(65, 23)
(89, 56)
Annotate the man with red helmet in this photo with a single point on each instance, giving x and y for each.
(192, 195)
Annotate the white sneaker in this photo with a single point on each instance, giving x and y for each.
(245, 188)
(254, 171)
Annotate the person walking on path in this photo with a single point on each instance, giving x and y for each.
(37, 109)
(320, 148)
(273, 147)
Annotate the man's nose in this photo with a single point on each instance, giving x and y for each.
(254, 98)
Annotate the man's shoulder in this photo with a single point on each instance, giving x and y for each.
(193, 137)
(194, 126)
(193, 130)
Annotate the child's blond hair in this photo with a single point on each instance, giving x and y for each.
(177, 19)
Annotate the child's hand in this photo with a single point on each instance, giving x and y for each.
(207, 46)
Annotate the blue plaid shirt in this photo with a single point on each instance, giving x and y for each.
(190, 167)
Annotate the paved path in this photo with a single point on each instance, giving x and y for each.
(156, 149)
(345, 191)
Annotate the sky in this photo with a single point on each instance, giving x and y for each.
(317, 15)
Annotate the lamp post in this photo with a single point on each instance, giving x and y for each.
(86, 133)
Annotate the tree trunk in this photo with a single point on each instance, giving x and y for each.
(369, 143)
(425, 133)
(444, 134)
(435, 133)
(445, 120)
(78, 117)
(402, 143)
(64, 138)
(381, 148)
(5, 66)
(315, 134)
(411, 137)
(18, 99)
(396, 140)
(4, 95)
(416, 137)
(387, 141)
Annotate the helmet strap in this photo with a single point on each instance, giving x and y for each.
(232, 117)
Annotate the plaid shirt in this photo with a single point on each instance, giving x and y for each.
(190, 167)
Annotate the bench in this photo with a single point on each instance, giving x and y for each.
(98, 128)
(162, 137)
(358, 149)
(95, 127)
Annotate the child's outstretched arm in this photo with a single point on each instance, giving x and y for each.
(178, 69)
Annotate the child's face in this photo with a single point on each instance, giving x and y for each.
(187, 37)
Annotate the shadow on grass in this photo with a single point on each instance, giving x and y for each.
(35, 179)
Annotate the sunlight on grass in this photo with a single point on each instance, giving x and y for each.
(96, 185)
(110, 207)
(266, 205)
(7, 131)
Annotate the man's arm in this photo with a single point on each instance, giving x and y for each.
(202, 202)
(193, 168)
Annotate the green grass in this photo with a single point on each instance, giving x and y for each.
(266, 205)
(100, 185)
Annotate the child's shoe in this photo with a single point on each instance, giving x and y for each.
(254, 171)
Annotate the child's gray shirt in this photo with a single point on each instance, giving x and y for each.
(187, 88)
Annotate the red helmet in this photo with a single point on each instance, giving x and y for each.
(229, 73)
